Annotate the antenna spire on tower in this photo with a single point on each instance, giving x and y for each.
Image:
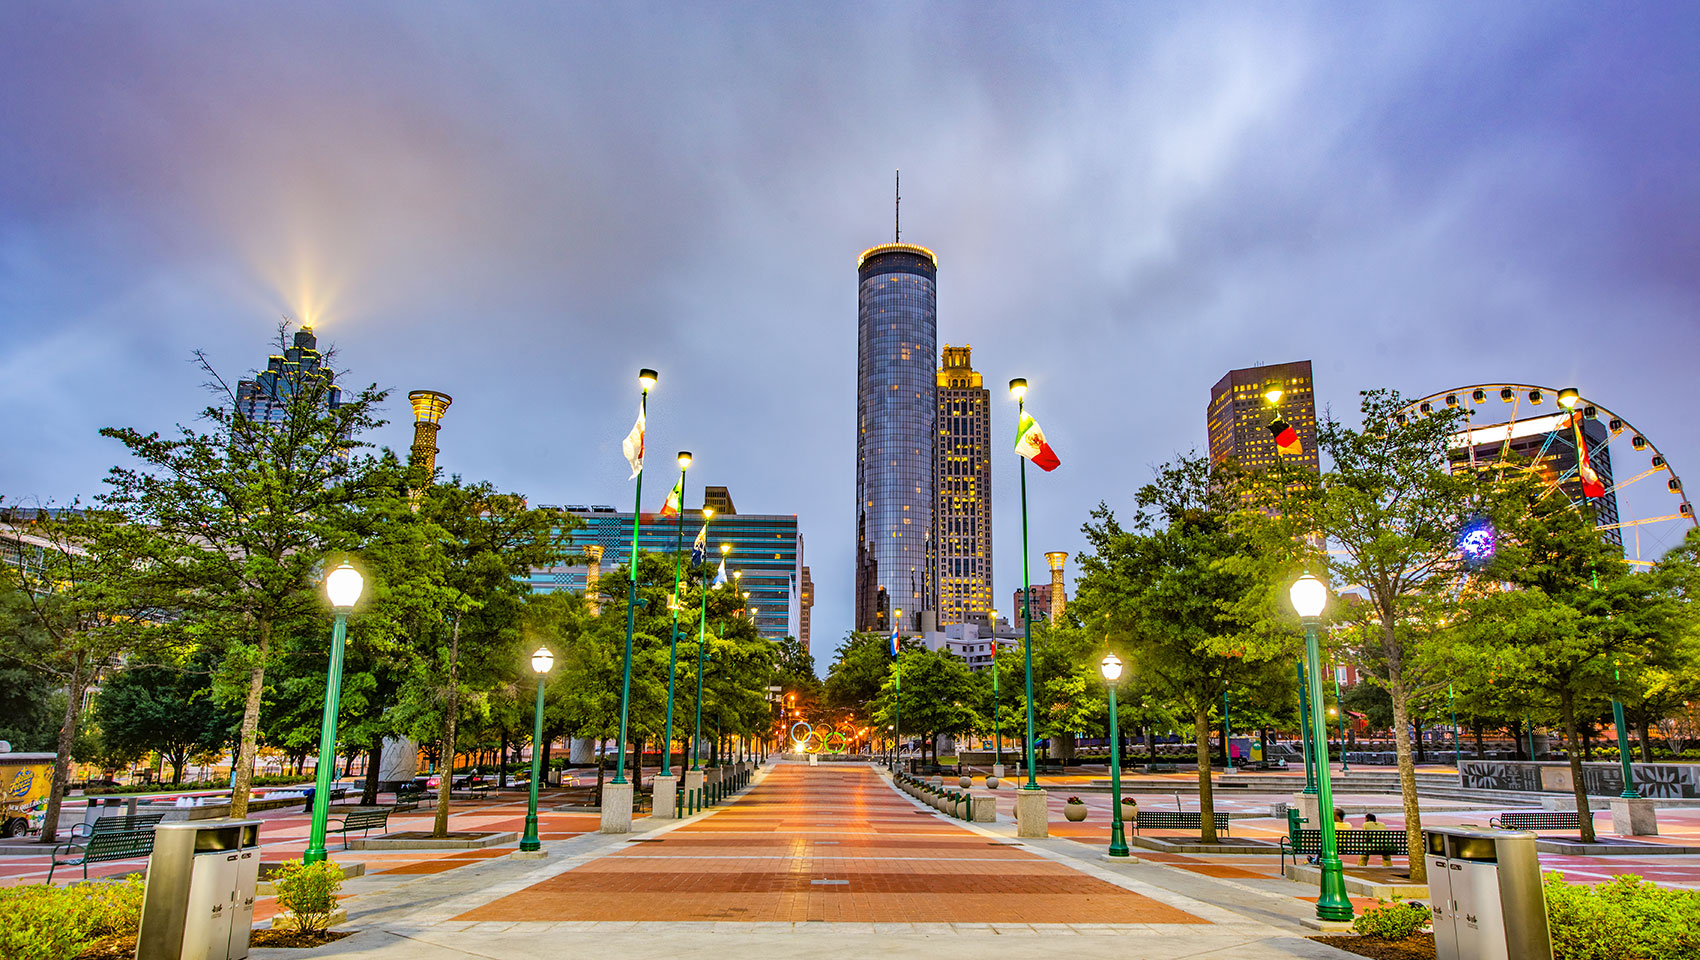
(899, 215)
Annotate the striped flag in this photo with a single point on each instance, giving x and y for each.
(893, 647)
(633, 446)
(1591, 485)
(1030, 442)
(1286, 438)
(720, 578)
(699, 546)
(675, 498)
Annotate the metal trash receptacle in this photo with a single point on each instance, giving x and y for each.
(198, 903)
(1485, 895)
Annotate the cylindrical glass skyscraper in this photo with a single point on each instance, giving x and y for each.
(896, 420)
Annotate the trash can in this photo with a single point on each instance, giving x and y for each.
(1485, 894)
(199, 897)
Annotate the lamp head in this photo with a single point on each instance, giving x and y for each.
(1018, 388)
(708, 514)
(1309, 595)
(647, 378)
(1273, 393)
(1569, 397)
(343, 586)
(725, 548)
(897, 612)
(1111, 667)
(684, 460)
(542, 660)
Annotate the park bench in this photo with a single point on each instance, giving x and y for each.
(1161, 767)
(362, 819)
(101, 847)
(1542, 820)
(407, 796)
(1353, 843)
(129, 823)
(1177, 820)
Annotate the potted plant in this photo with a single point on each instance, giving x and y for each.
(1075, 810)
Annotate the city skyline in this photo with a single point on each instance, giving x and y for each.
(1125, 204)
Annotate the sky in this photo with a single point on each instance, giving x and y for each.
(521, 204)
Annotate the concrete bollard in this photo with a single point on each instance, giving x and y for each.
(985, 810)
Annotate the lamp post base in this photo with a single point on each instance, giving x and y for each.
(617, 807)
(1031, 816)
(1308, 810)
(997, 770)
(693, 791)
(666, 795)
(1634, 817)
(528, 855)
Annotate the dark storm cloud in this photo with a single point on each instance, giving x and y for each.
(521, 206)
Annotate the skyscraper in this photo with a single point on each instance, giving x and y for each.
(266, 396)
(896, 426)
(964, 472)
(805, 606)
(1241, 412)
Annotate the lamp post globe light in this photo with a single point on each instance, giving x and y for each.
(1309, 595)
(541, 662)
(1111, 668)
(342, 588)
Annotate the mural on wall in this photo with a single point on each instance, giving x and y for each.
(1665, 780)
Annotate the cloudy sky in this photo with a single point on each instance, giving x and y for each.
(522, 204)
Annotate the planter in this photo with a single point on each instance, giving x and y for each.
(1075, 812)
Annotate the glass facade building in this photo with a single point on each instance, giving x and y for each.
(964, 511)
(896, 424)
(767, 549)
(264, 397)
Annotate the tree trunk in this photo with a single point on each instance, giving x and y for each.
(446, 777)
(1417, 731)
(1151, 744)
(1587, 731)
(1519, 745)
(601, 750)
(548, 740)
(374, 758)
(1478, 731)
(502, 764)
(1206, 800)
(250, 725)
(62, 761)
(1407, 781)
(178, 759)
(1567, 701)
(1646, 740)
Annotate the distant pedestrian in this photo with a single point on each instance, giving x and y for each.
(1370, 823)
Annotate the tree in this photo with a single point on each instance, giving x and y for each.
(26, 688)
(243, 512)
(939, 695)
(1392, 511)
(169, 708)
(93, 600)
(1189, 593)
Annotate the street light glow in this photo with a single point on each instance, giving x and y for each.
(1569, 397)
(542, 660)
(1018, 388)
(343, 586)
(1111, 666)
(647, 378)
(1274, 393)
(1308, 595)
(684, 459)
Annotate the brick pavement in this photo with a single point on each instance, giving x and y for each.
(831, 843)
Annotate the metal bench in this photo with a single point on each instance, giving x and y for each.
(118, 824)
(1161, 767)
(363, 820)
(1177, 820)
(102, 847)
(1543, 820)
(407, 797)
(1355, 843)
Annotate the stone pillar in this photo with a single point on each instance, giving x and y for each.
(1031, 817)
(693, 789)
(592, 576)
(428, 409)
(617, 807)
(666, 790)
(581, 750)
(1056, 558)
(985, 809)
(1306, 804)
(1637, 817)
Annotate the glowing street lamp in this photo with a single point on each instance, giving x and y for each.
(646, 381)
(1309, 595)
(897, 675)
(1018, 390)
(673, 642)
(342, 588)
(541, 661)
(1111, 668)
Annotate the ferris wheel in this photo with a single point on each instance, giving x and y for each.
(1585, 450)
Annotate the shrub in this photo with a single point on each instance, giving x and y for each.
(308, 892)
(1625, 918)
(1392, 920)
(41, 922)
(1075, 800)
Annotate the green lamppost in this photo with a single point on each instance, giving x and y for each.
(646, 380)
(541, 661)
(1340, 713)
(702, 649)
(1309, 596)
(1307, 739)
(1629, 791)
(1111, 667)
(897, 672)
(1227, 735)
(343, 587)
(673, 643)
(1457, 749)
(997, 711)
(1018, 390)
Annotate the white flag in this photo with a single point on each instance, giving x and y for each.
(633, 446)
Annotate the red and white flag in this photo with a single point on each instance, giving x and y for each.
(1030, 443)
(633, 446)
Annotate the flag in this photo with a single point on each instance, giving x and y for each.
(1591, 485)
(633, 446)
(1030, 443)
(699, 546)
(1286, 438)
(894, 646)
(720, 578)
(675, 498)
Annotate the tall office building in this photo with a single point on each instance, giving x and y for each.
(964, 472)
(896, 426)
(1240, 415)
(805, 604)
(266, 396)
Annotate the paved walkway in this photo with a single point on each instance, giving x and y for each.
(822, 861)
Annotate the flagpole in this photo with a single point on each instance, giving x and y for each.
(673, 644)
(1026, 591)
(702, 643)
(646, 379)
